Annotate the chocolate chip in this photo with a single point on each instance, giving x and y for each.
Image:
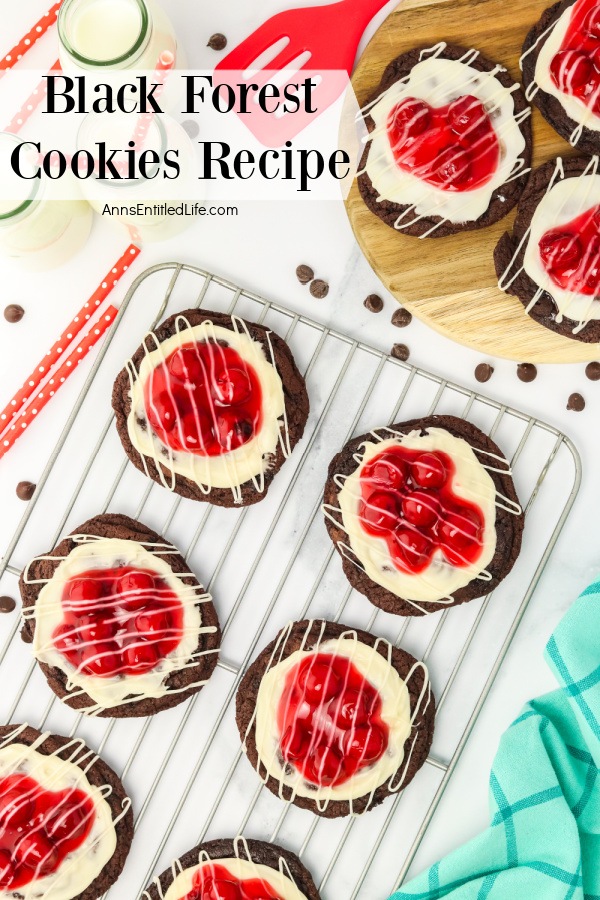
(7, 604)
(401, 318)
(401, 352)
(191, 128)
(483, 372)
(592, 370)
(526, 372)
(319, 288)
(304, 274)
(576, 402)
(217, 42)
(373, 303)
(14, 313)
(25, 490)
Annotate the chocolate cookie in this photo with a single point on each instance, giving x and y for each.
(511, 250)
(549, 55)
(474, 159)
(408, 541)
(210, 407)
(160, 627)
(69, 831)
(255, 853)
(354, 723)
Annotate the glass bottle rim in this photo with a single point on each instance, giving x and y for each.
(35, 187)
(104, 63)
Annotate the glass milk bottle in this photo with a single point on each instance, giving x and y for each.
(38, 228)
(95, 35)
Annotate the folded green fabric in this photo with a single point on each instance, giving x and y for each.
(544, 837)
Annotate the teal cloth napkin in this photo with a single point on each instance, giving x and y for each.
(543, 842)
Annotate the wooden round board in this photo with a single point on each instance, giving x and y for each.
(450, 283)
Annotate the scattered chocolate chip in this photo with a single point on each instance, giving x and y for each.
(401, 318)
(401, 352)
(191, 128)
(373, 303)
(319, 288)
(14, 313)
(7, 604)
(483, 372)
(576, 403)
(526, 372)
(304, 274)
(592, 370)
(217, 42)
(26, 635)
(25, 490)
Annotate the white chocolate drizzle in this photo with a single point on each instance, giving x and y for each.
(94, 552)
(401, 720)
(371, 555)
(247, 463)
(55, 772)
(438, 81)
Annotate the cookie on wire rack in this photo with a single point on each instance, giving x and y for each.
(238, 869)
(334, 719)
(67, 823)
(424, 514)
(118, 623)
(210, 407)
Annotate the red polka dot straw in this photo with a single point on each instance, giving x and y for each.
(28, 40)
(18, 407)
(39, 401)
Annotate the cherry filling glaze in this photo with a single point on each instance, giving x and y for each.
(214, 882)
(453, 147)
(575, 69)
(571, 254)
(407, 499)
(120, 621)
(329, 719)
(38, 828)
(204, 399)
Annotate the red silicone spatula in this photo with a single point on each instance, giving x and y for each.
(319, 41)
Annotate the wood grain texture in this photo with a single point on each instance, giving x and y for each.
(450, 283)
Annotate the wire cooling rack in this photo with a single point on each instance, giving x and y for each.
(265, 565)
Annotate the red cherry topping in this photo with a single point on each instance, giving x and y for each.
(215, 882)
(418, 516)
(325, 703)
(135, 621)
(83, 592)
(571, 254)
(204, 399)
(453, 147)
(575, 68)
(38, 829)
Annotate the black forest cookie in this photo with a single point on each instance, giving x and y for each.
(424, 514)
(561, 71)
(210, 407)
(449, 143)
(236, 869)
(334, 719)
(117, 621)
(67, 823)
(551, 261)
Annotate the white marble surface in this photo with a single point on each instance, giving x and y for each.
(261, 251)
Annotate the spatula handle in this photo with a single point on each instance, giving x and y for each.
(363, 10)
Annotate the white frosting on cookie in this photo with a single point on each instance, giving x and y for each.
(395, 712)
(573, 106)
(470, 482)
(231, 469)
(240, 869)
(438, 82)
(83, 865)
(108, 553)
(567, 199)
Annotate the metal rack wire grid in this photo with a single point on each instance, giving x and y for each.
(265, 565)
